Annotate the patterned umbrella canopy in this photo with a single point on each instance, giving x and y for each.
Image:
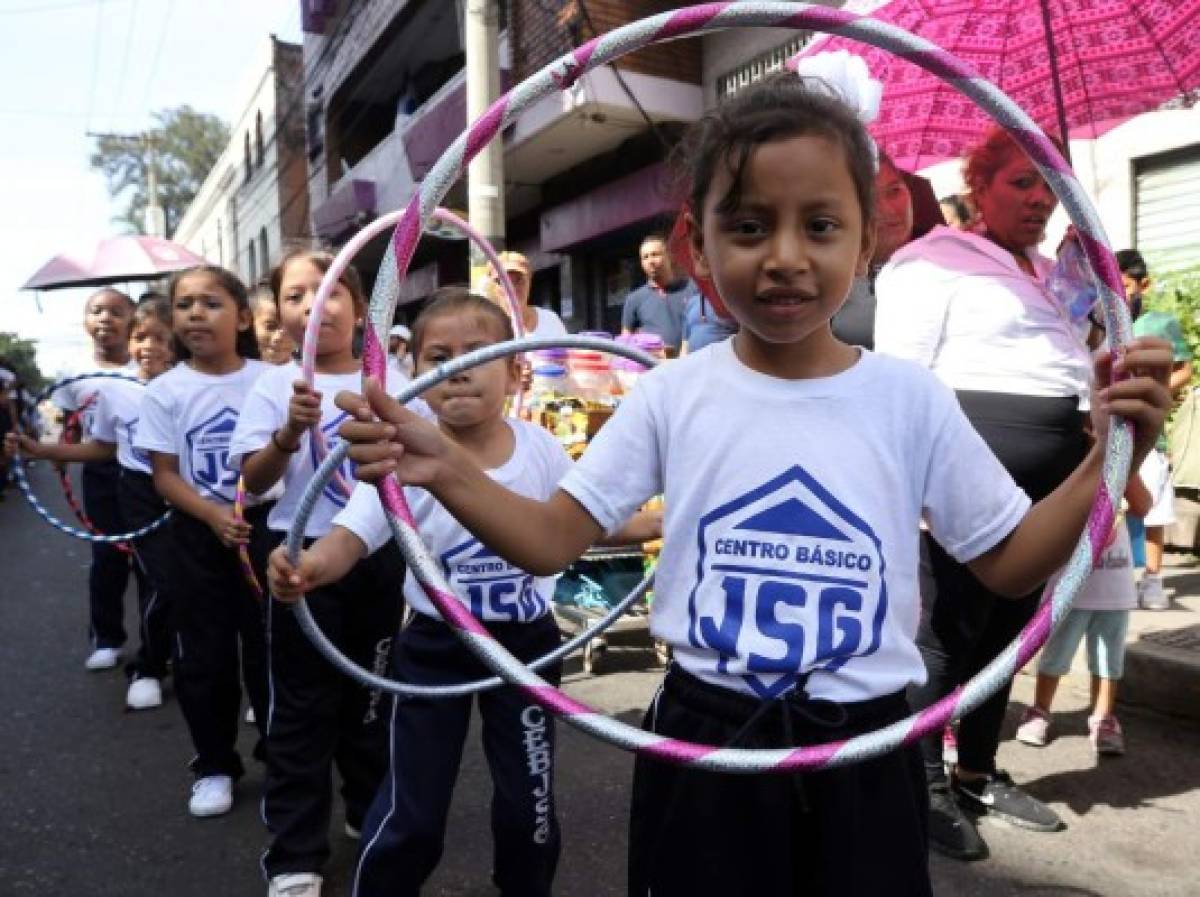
(115, 260)
(1108, 61)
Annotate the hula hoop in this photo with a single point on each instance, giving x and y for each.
(308, 350)
(22, 480)
(64, 478)
(243, 552)
(323, 474)
(564, 72)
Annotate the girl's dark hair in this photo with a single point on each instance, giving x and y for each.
(247, 343)
(323, 261)
(452, 300)
(153, 305)
(1131, 263)
(776, 108)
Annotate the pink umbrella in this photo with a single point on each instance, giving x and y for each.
(115, 260)
(1108, 61)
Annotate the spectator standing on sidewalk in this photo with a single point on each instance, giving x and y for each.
(657, 306)
(1156, 470)
(974, 309)
(1100, 613)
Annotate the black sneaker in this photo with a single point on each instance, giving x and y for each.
(997, 796)
(950, 832)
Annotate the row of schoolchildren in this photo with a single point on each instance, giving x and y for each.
(780, 438)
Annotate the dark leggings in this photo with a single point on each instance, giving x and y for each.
(1039, 441)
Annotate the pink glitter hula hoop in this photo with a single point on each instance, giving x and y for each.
(558, 76)
(308, 350)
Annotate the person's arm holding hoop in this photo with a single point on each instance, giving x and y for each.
(63, 452)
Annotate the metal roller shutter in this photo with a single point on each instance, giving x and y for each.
(1167, 208)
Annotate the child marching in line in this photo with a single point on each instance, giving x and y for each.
(795, 470)
(405, 828)
(106, 318)
(274, 341)
(113, 424)
(188, 416)
(1100, 613)
(318, 717)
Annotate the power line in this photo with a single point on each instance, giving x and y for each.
(125, 56)
(95, 64)
(162, 38)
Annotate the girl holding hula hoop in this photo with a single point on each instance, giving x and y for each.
(795, 471)
(114, 421)
(188, 416)
(106, 318)
(405, 828)
(318, 717)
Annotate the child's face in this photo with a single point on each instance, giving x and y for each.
(297, 289)
(106, 318)
(474, 396)
(784, 260)
(150, 346)
(273, 341)
(206, 318)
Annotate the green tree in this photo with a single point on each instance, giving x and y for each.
(21, 356)
(186, 145)
(1178, 292)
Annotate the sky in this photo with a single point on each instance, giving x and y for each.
(101, 65)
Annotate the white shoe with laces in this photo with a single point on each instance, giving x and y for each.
(144, 694)
(299, 884)
(211, 796)
(102, 659)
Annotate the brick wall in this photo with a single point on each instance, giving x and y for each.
(545, 29)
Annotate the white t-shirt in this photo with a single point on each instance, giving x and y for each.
(1110, 586)
(548, 323)
(117, 409)
(958, 304)
(791, 514)
(265, 411)
(85, 393)
(489, 585)
(193, 415)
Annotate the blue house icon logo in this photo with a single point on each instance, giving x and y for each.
(494, 588)
(208, 454)
(788, 580)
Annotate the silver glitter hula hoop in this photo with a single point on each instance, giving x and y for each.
(18, 471)
(560, 75)
(333, 461)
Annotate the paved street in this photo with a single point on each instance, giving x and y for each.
(94, 798)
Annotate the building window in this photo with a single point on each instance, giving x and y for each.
(258, 138)
(264, 250)
(760, 66)
(220, 243)
(246, 152)
(1166, 219)
(253, 263)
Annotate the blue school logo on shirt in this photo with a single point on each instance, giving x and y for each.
(788, 580)
(130, 428)
(208, 451)
(345, 469)
(495, 588)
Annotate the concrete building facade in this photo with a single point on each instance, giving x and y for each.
(254, 202)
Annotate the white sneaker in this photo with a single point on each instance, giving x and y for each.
(250, 720)
(211, 796)
(300, 884)
(144, 694)
(102, 659)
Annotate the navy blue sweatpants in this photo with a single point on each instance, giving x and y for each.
(405, 828)
(109, 572)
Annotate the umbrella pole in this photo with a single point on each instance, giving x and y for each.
(1059, 105)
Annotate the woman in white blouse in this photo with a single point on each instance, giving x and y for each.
(973, 308)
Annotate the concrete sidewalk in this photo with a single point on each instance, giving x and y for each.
(1162, 661)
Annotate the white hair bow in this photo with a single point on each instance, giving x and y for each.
(845, 77)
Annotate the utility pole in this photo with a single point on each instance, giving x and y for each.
(485, 173)
(156, 218)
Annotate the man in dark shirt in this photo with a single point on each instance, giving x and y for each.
(658, 305)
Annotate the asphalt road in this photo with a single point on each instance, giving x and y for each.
(94, 798)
